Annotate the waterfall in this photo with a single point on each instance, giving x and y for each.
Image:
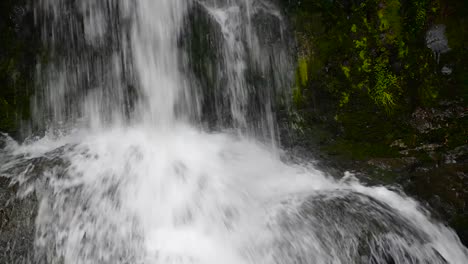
(122, 62)
(130, 171)
(112, 62)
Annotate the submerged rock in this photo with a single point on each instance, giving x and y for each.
(361, 227)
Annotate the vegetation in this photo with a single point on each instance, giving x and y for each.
(369, 60)
(371, 94)
(377, 48)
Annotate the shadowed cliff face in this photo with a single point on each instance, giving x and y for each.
(19, 51)
(261, 51)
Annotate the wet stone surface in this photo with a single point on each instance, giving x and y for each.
(17, 217)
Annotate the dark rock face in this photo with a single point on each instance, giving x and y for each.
(19, 49)
(17, 225)
(264, 46)
(426, 120)
(445, 189)
(201, 40)
(17, 217)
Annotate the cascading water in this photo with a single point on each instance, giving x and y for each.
(133, 177)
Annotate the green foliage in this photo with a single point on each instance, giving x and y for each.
(344, 99)
(346, 70)
(377, 48)
(373, 42)
(368, 68)
(385, 84)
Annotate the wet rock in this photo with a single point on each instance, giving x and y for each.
(394, 164)
(457, 155)
(17, 214)
(445, 188)
(427, 148)
(17, 16)
(268, 26)
(426, 120)
(399, 143)
(357, 225)
(16, 224)
(422, 121)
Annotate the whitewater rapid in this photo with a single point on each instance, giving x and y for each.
(133, 195)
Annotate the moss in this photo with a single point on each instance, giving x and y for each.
(377, 48)
(344, 99)
(386, 87)
(390, 19)
(303, 71)
(346, 71)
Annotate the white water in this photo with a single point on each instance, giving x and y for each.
(146, 184)
(133, 195)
